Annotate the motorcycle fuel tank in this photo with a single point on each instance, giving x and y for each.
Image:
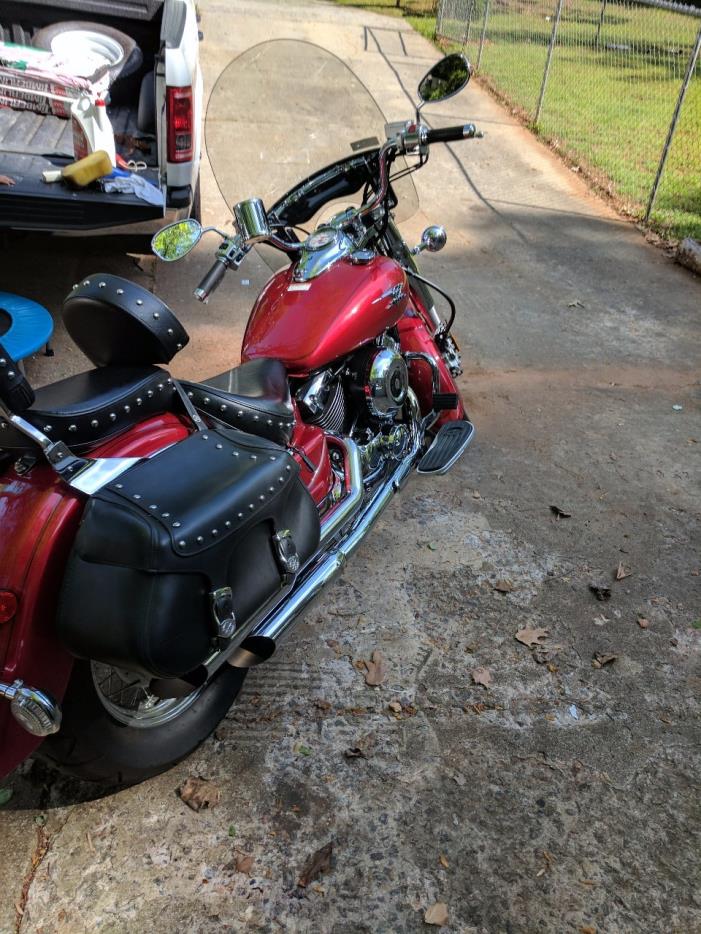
(308, 324)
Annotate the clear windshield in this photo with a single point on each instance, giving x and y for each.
(283, 110)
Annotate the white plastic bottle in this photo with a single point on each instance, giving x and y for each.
(92, 129)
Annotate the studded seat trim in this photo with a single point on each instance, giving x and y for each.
(88, 409)
(254, 397)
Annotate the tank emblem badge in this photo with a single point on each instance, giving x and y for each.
(395, 294)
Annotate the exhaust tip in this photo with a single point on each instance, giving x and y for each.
(253, 651)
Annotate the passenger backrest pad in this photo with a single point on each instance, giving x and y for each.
(118, 323)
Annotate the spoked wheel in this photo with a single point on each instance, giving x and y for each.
(126, 697)
(115, 731)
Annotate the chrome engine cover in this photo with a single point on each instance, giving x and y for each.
(387, 383)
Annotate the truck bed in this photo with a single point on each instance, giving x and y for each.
(31, 142)
(31, 204)
(22, 131)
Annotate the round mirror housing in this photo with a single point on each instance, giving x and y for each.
(447, 78)
(176, 240)
(433, 239)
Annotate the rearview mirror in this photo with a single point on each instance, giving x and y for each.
(176, 240)
(446, 78)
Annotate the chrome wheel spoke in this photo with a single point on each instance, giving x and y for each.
(126, 696)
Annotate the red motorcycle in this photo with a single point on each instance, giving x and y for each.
(159, 537)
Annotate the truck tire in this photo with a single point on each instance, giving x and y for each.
(132, 56)
(95, 745)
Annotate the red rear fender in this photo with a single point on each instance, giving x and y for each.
(39, 517)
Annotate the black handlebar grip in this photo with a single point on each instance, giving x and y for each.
(211, 280)
(451, 134)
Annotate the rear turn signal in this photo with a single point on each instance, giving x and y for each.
(8, 606)
(179, 118)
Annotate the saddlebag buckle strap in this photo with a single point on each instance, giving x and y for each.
(223, 612)
(286, 555)
(189, 407)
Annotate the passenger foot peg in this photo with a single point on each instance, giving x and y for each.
(447, 446)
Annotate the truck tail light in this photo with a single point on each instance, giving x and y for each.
(8, 606)
(179, 118)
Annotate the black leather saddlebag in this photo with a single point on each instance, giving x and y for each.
(146, 583)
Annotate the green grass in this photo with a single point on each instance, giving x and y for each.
(607, 106)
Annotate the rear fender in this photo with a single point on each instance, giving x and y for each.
(39, 518)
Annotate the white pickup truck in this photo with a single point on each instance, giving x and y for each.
(154, 106)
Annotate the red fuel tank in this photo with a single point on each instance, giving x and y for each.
(308, 324)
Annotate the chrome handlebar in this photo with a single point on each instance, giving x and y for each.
(252, 219)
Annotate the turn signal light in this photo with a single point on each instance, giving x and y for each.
(8, 606)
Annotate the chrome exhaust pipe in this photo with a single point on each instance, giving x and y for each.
(338, 515)
(277, 623)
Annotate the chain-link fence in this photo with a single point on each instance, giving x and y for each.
(614, 86)
(412, 7)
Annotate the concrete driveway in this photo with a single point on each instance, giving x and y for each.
(564, 796)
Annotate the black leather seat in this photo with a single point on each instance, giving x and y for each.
(87, 409)
(254, 397)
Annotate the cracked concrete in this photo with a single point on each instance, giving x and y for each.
(545, 819)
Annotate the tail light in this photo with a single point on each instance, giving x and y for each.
(179, 117)
(8, 606)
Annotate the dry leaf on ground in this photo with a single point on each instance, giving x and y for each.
(443, 860)
(601, 591)
(244, 863)
(437, 914)
(317, 863)
(560, 513)
(531, 637)
(481, 676)
(622, 571)
(376, 669)
(600, 659)
(503, 586)
(643, 622)
(363, 749)
(199, 793)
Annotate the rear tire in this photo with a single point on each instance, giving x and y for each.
(94, 746)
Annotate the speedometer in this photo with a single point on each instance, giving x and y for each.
(320, 239)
